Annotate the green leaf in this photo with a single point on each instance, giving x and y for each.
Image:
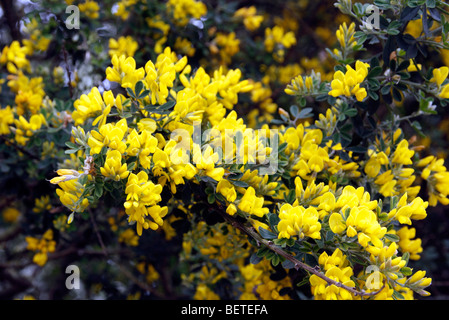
(403, 65)
(397, 296)
(168, 105)
(71, 145)
(267, 234)
(393, 202)
(294, 110)
(138, 88)
(392, 237)
(143, 94)
(374, 72)
(431, 3)
(418, 128)
(406, 271)
(275, 260)
(98, 191)
(393, 32)
(239, 183)
(130, 93)
(211, 198)
(262, 252)
(305, 113)
(385, 90)
(351, 112)
(255, 259)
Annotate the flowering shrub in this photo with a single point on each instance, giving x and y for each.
(211, 150)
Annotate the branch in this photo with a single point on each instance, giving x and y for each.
(11, 18)
(298, 264)
(19, 148)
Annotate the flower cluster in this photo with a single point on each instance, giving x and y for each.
(43, 246)
(348, 83)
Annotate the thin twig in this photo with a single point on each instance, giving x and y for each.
(19, 148)
(100, 240)
(64, 51)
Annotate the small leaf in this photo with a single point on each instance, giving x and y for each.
(71, 145)
(305, 113)
(255, 259)
(406, 271)
(267, 234)
(138, 88)
(392, 237)
(167, 105)
(374, 72)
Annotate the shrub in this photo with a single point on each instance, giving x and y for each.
(214, 150)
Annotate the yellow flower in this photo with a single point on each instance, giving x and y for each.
(15, 56)
(113, 167)
(405, 211)
(387, 183)
(184, 46)
(128, 237)
(347, 84)
(301, 85)
(206, 161)
(29, 93)
(227, 190)
(277, 40)
(42, 204)
(298, 221)
(437, 178)
(110, 135)
(6, 119)
(345, 35)
(124, 71)
(183, 10)
(439, 75)
(336, 223)
(406, 244)
(93, 104)
(337, 270)
(90, 9)
(69, 194)
(10, 214)
(418, 282)
(250, 19)
(126, 46)
(252, 204)
(403, 154)
(141, 145)
(25, 129)
(123, 9)
(43, 246)
(160, 76)
(231, 209)
(142, 197)
(229, 45)
(278, 37)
